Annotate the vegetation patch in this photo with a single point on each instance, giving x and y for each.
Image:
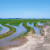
(1, 28)
(10, 32)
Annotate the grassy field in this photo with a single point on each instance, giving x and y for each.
(18, 21)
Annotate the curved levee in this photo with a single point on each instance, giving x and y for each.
(4, 29)
(0, 28)
(10, 32)
(36, 27)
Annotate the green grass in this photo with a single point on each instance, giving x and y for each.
(5, 21)
(1, 28)
(10, 32)
(16, 22)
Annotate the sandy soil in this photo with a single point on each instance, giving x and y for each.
(33, 40)
(36, 42)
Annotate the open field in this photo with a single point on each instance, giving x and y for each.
(21, 30)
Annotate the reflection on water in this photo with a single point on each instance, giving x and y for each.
(19, 29)
(4, 30)
(37, 29)
(40, 23)
(7, 41)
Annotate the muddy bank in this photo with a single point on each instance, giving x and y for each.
(46, 44)
(18, 42)
(31, 43)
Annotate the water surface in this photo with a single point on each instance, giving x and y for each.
(37, 29)
(4, 29)
(40, 23)
(7, 41)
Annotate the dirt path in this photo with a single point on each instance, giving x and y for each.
(46, 44)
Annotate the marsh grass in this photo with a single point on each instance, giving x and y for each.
(1, 28)
(10, 32)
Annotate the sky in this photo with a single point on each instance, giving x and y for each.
(24, 8)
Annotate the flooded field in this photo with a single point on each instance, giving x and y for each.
(14, 29)
(4, 29)
(37, 29)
